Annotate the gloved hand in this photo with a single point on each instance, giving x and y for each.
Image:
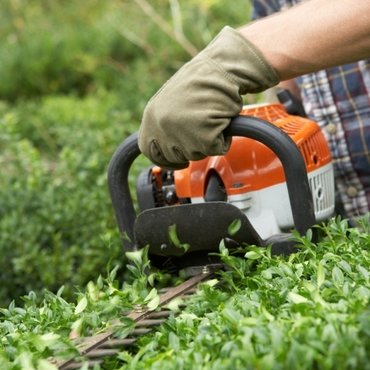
(186, 118)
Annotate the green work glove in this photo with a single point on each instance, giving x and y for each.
(186, 118)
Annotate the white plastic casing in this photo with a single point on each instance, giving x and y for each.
(269, 209)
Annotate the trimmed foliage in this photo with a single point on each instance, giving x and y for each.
(309, 310)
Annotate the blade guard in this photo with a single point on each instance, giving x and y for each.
(201, 227)
(172, 231)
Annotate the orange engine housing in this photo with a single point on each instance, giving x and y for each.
(249, 165)
(252, 177)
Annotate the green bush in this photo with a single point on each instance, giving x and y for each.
(77, 46)
(56, 219)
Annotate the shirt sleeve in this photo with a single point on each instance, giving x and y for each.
(263, 8)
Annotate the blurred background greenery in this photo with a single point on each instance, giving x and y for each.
(75, 77)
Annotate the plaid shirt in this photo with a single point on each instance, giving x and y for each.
(339, 100)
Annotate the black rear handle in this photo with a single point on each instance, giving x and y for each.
(246, 126)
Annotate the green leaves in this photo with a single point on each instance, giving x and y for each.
(253, 255)
(303, 311)
(307, 310)
(152, 300)
(41, 342)
(82, 304)
(234, 227)
(174, 239)
(296, 298)
(320, 275)
(337, 276)
(46, 325)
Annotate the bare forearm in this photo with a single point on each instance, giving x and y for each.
(314, 35)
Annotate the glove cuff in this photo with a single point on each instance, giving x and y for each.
(241, 61)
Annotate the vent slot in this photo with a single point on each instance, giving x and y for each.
(322, 188)
(314, 150)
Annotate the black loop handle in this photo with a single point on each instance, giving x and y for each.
(246, 126)
(119, 188)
